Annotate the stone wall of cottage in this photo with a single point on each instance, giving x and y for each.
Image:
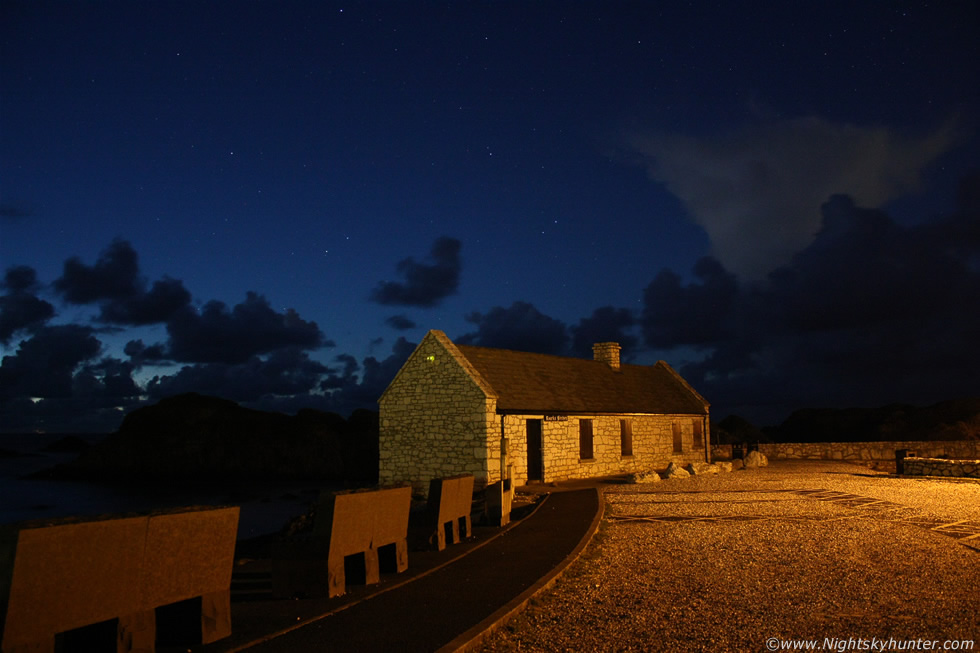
(653, 445)
(436, 421)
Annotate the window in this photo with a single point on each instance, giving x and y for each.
(678, 441)
(625, 437)
(698, 437)
(585, 439)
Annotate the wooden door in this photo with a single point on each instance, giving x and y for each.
(535, 459)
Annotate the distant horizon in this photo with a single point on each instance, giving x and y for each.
(714, 419)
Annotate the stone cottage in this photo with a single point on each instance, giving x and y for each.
(520, 417)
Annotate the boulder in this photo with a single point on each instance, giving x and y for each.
(695, 469)
(755, 459)
(724, 466)
(643, 477)
(676, 471)
(737, 464)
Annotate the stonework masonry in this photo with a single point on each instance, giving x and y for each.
(653, 447)
(870, 451)
(436, 421)
(941, 467)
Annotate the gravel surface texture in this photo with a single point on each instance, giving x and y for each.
(760, 559)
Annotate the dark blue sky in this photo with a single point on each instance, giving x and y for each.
(273, 202)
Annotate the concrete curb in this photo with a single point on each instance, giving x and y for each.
(473, 637)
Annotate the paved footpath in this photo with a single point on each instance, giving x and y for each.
(445, 608)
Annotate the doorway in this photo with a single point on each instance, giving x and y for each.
(535, 459)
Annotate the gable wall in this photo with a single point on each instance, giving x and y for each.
(435, 421)
(653, 445)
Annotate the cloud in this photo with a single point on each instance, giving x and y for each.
(110, 379)
(862, 269)
(140, 354)
(696, 314)
(425, 285)
(521, 327)
(755, 192)
(20, 278)
(217, 335)
(870, 312)
(20, 309)
(115, 282)
(283, 372)
(45, 363)
(400, 322)
(606, 324)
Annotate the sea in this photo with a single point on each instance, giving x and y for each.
(265, 507)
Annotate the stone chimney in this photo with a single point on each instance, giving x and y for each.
(607, 352)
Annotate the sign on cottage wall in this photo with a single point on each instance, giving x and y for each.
(556, 418)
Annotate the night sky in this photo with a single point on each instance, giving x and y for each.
(272, 202)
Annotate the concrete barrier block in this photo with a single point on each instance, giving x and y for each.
(500, 497)
(189, 554)
(449, 505)
(68, 575)
(346, 524)
(63, 576)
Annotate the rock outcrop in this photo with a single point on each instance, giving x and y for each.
(197, 438)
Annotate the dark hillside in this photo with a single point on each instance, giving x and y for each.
(957, 419)
(198, 438)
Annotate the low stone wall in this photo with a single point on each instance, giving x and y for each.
(862, 451)
(941, 467)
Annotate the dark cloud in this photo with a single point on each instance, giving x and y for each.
(164, 299)
(115, 283)
(217, 335)
(20, 309)
(425, 285)
(606, 324)
(141, 354)
(696, 314)
(20, 278)
(521, 327)
(871, 312)
(863, 269)
(374, 379)
(115, 275)
(44, 365)
(110, 379)
(400, 322)
(284, 372)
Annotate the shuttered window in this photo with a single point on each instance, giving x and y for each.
(585, 439)
(625, 437)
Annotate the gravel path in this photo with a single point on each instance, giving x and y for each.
(794, 551)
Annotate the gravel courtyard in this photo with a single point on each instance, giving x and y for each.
(752, 560)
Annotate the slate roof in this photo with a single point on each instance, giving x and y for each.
(541, 383)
